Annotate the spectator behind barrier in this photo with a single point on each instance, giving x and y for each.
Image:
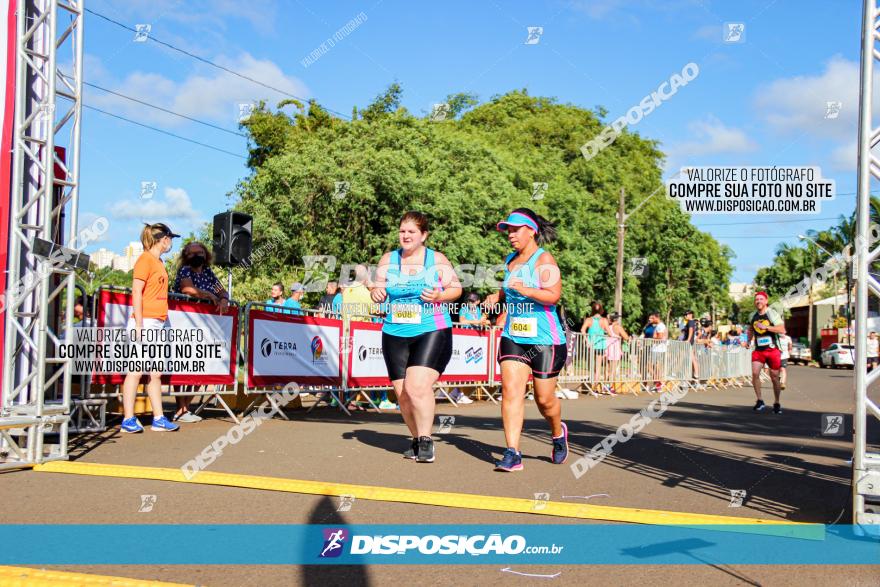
(657, 362)
(195, 278)
(297, 291)
(471, 313)
(276, 297)
(356, 300)
(614, 350)
(331, 302)
(81, 312)
(597, 328)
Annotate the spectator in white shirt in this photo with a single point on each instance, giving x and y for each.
(658, 350)
(785, 353)
(873, 350)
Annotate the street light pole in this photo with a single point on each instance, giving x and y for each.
(622, 217)
(621, 233)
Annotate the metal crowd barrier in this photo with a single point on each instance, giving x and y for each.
(342, 391)
(324, 393)
(611, 365)
(91, 391)
(605, 366)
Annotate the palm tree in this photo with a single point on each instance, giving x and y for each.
(800, 265)
(838, 238)
(874, 209)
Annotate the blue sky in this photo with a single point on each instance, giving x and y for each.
(759, 102)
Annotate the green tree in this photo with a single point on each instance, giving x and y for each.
(467, 173)
(94, 278)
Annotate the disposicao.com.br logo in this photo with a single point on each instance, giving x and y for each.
(451, 544)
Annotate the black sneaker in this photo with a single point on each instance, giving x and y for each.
(759, 405)
(777, 408)
(412, 450)
(426, 450)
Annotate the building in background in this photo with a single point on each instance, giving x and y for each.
(121, 263)
(133, 251)
(103, 258)
(740, 291)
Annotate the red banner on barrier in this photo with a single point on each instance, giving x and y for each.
(114, 309)
(283, 348)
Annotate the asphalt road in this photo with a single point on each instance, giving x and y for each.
(689, 460)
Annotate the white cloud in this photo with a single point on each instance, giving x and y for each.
(845, 157)
(211, 94)
(176, 205)
(798, 104)
(89, 227)
(712, 137)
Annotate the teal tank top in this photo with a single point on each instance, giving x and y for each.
(406, 314)
(529, 322)
(596, 334)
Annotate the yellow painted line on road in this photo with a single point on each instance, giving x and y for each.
(444, 499)
(14, 576)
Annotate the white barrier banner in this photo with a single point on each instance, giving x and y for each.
(470, 356)
(367, 365)
(282, 348)
(214, 327)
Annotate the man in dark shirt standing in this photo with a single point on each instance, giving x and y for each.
(690, 335)
(331, 302)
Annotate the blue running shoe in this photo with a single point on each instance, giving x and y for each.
(131, 425)
(163, 424)
(560, 447)
(511, 461)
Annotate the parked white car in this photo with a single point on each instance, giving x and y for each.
(799, 354)
(837, 355)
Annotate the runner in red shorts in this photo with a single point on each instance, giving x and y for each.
(765, 326)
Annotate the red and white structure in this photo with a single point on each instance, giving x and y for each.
(39, 192)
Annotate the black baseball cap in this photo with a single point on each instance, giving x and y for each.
(162, 230)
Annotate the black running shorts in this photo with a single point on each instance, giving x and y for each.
(431, 349)
(546, 360)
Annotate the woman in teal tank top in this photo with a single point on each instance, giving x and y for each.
(533, 341)
(415, 284)
(597, 328)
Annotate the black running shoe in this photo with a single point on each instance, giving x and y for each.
(759, 405)
(426, 450)
(777, 408)
(412, 450)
